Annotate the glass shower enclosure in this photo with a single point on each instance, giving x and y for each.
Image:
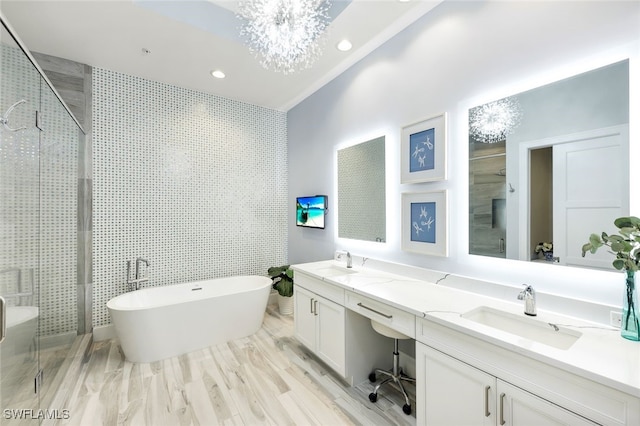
(38, 235)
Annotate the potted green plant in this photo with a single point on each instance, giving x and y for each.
(626, 247)
(282, 282)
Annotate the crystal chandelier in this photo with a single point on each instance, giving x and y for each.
(493, 122)
(285, 35)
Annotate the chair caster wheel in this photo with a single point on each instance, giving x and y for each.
(372, 377)
(406, 408)
(374, 397)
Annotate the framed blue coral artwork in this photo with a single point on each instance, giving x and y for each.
(424, 222)
(424, 149)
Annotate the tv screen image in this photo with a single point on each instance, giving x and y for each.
(310, 211)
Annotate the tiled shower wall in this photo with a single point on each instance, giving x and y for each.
(38, 192)
(192, 182)
(72, 81)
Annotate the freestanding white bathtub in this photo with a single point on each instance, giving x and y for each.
(162, 322)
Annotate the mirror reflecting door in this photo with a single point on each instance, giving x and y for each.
(537, 189)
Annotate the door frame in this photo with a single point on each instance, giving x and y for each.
(524, 174)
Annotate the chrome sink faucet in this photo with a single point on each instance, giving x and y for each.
(529, 297)
(340, 254)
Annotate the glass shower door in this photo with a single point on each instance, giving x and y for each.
(19, 231)
(58, 327)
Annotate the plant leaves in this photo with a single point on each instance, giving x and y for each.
(275, 271)
(625, 245)
(617, 246)
(595, 240)
(585, 248)
(627, 222)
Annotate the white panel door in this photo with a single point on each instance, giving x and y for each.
(590, 190)
(305, 319)
(331, 334)
(450, 392)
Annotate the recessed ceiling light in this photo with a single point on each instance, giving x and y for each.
(218, 74)
(344, 46)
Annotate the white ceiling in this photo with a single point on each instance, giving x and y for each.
(188, 39)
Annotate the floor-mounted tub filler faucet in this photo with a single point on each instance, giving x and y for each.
(529, 297)
(344, 254)
(139, 279)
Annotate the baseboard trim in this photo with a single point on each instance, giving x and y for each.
(64, 339)
(104, 332)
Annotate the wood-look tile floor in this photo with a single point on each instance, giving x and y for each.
(264, 379)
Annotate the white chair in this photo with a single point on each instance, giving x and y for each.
(396, 375)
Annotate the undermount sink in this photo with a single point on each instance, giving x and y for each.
(333, 270)
(527, 328)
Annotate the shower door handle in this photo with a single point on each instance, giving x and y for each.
(3, 319)
(4, 120)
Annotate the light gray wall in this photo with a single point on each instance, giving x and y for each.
(460, 55)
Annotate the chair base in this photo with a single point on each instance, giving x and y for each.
(395, 375)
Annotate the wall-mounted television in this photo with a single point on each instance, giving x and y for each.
(311, 210)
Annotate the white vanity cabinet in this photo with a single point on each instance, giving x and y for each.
(320, 326)
(341, 338)
(466, 380)
(455, 393)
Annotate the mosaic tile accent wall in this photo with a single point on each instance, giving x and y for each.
(195, 183)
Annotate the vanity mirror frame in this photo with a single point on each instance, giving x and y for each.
(621, 98)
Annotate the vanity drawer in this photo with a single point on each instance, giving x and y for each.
(319, 287)
(387, 315)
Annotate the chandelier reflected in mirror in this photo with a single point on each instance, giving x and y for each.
(285, 35)
(493, 122)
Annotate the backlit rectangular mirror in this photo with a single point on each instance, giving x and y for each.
(361, 191)
(550, 166)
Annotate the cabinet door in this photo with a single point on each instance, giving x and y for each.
(304, 317)
(520, 408)
(450, 392)
(331, 334)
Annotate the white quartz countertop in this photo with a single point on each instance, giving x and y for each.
(600, 353)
